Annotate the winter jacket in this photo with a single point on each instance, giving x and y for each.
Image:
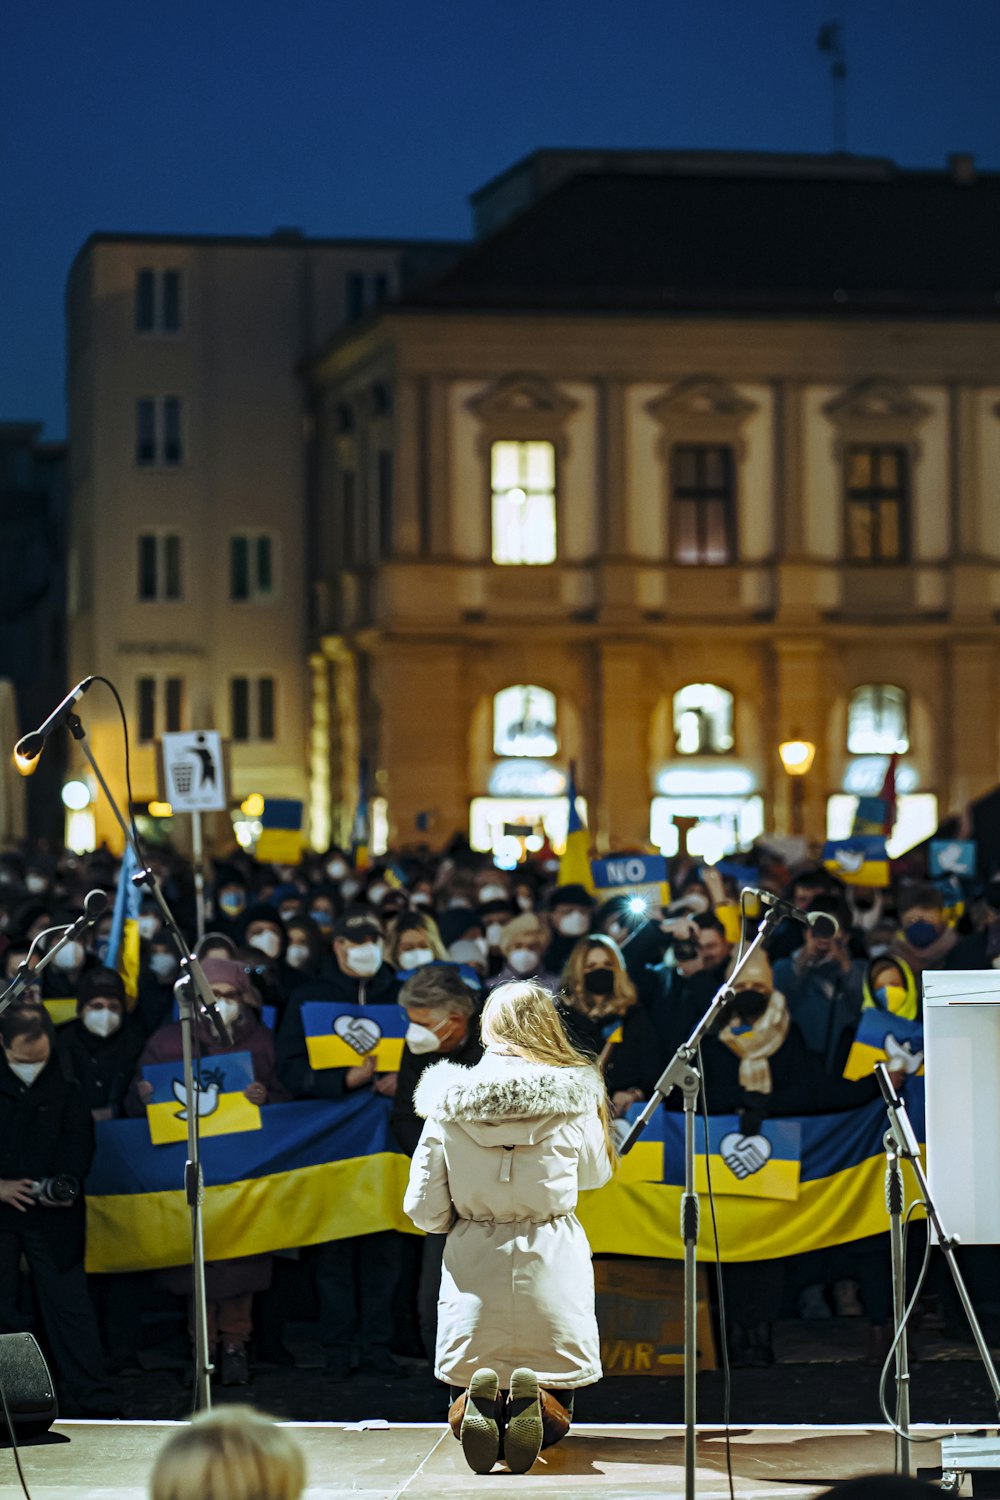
(506, 1150)
(102, 1065)
(406, 1123)
(636, 1062)
(292, 1053)
(823, 1000)
(254, 1037)
(45, 1129)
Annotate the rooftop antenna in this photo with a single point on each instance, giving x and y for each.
(831, 41)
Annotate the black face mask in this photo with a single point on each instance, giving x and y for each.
(599, 981)
(749, 1005)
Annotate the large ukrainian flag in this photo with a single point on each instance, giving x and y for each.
(315, 1171)
(342, 1036)
(840, 1198)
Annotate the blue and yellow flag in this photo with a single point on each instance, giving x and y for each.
(574, 865)
(342, 1036)
(765, 1165)
(220, 1098)
(281, 838)
(884, 1037)
(123, 940)
(315, 1171)
(859, 860)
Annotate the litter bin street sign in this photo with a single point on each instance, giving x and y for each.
(193, 775)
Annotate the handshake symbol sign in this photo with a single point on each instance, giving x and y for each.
(744, 1154)
(362, 1033)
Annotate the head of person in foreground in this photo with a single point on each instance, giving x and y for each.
(231, 1453)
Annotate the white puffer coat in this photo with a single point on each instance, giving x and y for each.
(506, 1148)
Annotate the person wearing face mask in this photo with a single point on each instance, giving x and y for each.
(464, 936)
(230, 902)
(150, 920)
(444, 1022)
(264, 943)
(229, 1284)
(304, 953)
(100, 1048)
(524, 942)
(822, 984)
(598, 1006)
(157, 975)
(61, 977)
(570, 910)
(924, 940)
(324, 908)
(46, 1130)
(356, 1277)
(414, 940)
(891, 985)
(494, 915)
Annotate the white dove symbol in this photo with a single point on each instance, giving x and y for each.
(208, 1098)
(850, 860)
(901, 1056)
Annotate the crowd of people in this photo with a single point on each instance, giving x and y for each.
(435, 934)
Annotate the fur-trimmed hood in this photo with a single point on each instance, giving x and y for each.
(503, 1089)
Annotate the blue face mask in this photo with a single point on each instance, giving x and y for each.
(920, 934)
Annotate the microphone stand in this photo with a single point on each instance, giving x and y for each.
(192, 988)
(25, 975)
(682, 1073)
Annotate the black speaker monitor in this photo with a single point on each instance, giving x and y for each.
(27, 1385)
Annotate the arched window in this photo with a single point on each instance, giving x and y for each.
(703, 719)
(878, 720)
(524, 721)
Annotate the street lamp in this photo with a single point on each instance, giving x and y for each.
(797, 756)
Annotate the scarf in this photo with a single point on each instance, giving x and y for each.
(756, 1043)
(931, 957)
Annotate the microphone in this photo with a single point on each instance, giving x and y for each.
(94, 906)
(30, 745)
(822, 923)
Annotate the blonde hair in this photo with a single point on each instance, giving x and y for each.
(575, 994)
(231, 1453)
(521, 1017)
(527, 925)
(414, 922)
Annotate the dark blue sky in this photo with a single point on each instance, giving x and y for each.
(379, 117)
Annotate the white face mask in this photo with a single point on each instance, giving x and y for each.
(148, 927)
(365, 959)
(297, 955)
(523, 961)
(70, 957)
(101, 1022)
(27, 1072)
(267, 942)
(229, 1010)
(336, 869)
(525, 903)
(164, 966)
(415, 958)
(469, 952)
(422, 1039)
(459, 903)
(574, 924)
(35, 884)
(376, 892)
(492, 893)
(420, 898)
(494, 933)
(349, 889)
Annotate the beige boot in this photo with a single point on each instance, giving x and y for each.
(555, 1418)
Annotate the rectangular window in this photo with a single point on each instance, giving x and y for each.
(240, 709)
(252, 709)
(381, 287)
(265, 708)
(159, 567)
(523, 481)
(355, 296)
(349, 537)
(703, 495)
(146, 695)
(145, 431)
(251, 567)
(145, 300)
(876, 488)
(148, 575)
(171, 301)
(172, 445)
(174, 704)
(385, 504)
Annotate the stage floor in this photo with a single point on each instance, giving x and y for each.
(112, 1461)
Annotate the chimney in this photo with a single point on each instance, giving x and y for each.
(962, 166)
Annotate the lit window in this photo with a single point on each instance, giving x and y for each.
(524, 722)
(878, 720)
(523, 477)
(703, 720)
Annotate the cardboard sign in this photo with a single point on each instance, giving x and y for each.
(342, 1036)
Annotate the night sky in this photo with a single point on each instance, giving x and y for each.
(379, 117)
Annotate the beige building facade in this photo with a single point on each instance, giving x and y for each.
(692, 536)
(187, 548)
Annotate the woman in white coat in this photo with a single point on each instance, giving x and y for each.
(505, 1151)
